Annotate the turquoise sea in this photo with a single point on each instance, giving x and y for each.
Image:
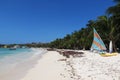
(16, 62)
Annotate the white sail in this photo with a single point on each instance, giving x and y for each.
(110, 47)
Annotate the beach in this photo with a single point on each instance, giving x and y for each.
(14, 64)
(49, 67)
(60, 40)
(53, 65)
(90, 66)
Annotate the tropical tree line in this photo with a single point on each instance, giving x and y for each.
(27, 45)
(108, 27)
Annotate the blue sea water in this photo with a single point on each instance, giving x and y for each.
(6, 52)
(17, 60)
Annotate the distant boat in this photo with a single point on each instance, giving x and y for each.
(12, 48)
(97, 44)
(23, 47)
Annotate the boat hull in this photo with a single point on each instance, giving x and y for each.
(109, 54)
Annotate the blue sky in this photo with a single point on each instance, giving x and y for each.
(23, 21)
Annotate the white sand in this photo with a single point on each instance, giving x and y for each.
(49, 68)
(94, 67)
(89, 67)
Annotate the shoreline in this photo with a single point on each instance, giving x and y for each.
(20, 69)
(49, 67)
(57, 65)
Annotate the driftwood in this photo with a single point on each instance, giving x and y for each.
(72, 53)
(62, 60)
(50, 49)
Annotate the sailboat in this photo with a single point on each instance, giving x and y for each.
(99, 46)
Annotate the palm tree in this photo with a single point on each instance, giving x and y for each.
(114, 12)
(109, 28)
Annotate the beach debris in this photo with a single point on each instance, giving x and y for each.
(51, 49)
(67, 54)
(62, 59)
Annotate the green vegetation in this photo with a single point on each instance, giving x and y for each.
(27, 45)
(108, 27)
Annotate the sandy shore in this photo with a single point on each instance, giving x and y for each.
(89, 66)
(49, 67)
(92, 66)
(15, 66)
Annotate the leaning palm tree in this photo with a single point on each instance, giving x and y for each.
(109, 28)
(114, 12)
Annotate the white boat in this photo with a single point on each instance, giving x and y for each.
(14, 47)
